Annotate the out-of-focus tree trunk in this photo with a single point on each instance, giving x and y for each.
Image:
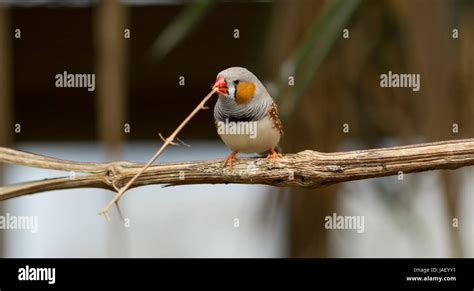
(434, 54)
(308, 207)
(6, 124)
(112, 76)
(465, 61)
(112, 64)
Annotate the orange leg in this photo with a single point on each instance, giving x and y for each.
(274, 156)
(232, 156)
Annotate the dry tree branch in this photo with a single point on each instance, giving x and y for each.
(304, 169)
(168, 141)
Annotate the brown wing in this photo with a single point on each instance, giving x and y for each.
(273, 113)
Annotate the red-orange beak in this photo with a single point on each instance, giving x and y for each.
(221, 85)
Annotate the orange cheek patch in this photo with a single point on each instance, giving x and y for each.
(245, 92)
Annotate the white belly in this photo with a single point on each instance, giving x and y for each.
(256, 137)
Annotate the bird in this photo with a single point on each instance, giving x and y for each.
(244, 103)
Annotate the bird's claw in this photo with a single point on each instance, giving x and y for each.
(229, 158)
(166, 139)
(274, 156)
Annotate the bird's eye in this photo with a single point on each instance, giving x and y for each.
(236, 82)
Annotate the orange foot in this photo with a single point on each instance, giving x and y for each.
(274, 156)
(232, 156)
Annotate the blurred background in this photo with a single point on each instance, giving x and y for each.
(154, 60)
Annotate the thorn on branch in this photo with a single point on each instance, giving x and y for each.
(182, 142)
(166, 140)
